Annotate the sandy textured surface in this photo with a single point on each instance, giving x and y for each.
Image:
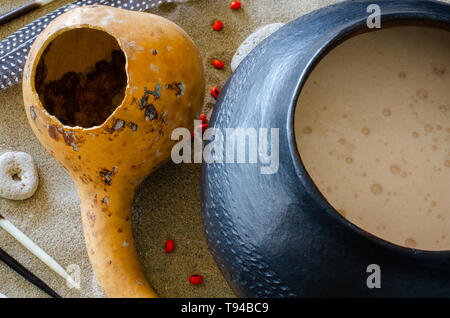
(167, 204)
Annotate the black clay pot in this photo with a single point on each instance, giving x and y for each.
(275, 235)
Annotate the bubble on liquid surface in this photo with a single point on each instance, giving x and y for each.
(376, 189)
(395, 169)
(307, 130)
(415, 134)
(365, 131)
(387, 112)
(443, 108)
(402, 75)
(428, 128)
(349, 159)
(447, 163)
(438, 69)
(422, 93)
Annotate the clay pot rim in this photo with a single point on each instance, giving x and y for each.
(397, 19)
(39, 54)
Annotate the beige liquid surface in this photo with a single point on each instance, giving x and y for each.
(372, 126)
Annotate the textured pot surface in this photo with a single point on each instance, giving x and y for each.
(165, 89)
(274, 234)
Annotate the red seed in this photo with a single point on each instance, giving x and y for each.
(235, 5)
(170, 245)
(217, 26)
(218, 64)
(201, 127)
(203, 118)
(195, 279)
(215, 92)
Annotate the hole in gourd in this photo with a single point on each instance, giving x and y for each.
(16, 177)
(81, 77)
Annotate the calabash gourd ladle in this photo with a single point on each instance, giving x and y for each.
(109, 151)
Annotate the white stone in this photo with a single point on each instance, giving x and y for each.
(18, 176)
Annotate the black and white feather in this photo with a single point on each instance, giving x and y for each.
(14, 49)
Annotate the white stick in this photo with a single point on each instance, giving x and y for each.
(2, 296)
(36, 250)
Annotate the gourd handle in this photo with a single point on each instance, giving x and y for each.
(106, 216)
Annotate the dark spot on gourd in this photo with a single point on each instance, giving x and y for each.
(91, 216)
(119, 124)
(85, 179)
(106, 175)
(178, 87)
(32, 113)
(155, 52)
(105, 200)
(156, 93)
(151, 113)
(133, 126)
(69, 138)
(143, 102)
(53, 132)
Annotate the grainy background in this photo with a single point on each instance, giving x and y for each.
(167, 205)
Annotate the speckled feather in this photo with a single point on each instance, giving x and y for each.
(14, 49)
